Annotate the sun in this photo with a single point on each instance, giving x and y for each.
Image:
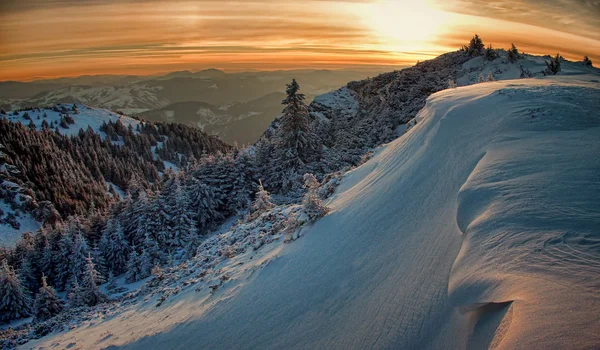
(405, 24)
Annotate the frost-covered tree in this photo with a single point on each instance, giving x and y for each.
(476, 46)
(204, 204)
(183, 224)
(553, 67)
(90, 292)
(14, 301)
(490, 53)
(480, 78)
(490, 76)
(47, 302)
(262, 202)
(75, 296)
(512, 54)
(451, 84)
(296, 144)
(100, 263)
(134, 269)
(62, 268)
(78, 257)
(27, 275)
(115, 249)
(312, 204)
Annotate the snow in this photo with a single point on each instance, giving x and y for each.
(10, 235)
(478, 228)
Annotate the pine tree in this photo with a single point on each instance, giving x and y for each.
(75, 296)
(312, 204)
(134, 270)
(27, 276)
(587, 61)
(79, 256)
(183, 225)
(14, 301)
(490, 76)
(297, 142)
(490, 53)
(476, 46)
(553, 67)
(204, 204)
(47, 302)
(262, 202)
(114, 247)
(91, 294)
(480, 78)
(97, 256)
(512, 54)
(62, 269)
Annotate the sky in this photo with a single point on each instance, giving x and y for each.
(56, 38)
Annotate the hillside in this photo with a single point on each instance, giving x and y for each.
(476, 229)
(238, 122)
(69, 159)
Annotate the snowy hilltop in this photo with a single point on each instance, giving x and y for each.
(477, 228)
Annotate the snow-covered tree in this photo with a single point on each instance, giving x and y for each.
(14, 301)
(490, 53)
(312, 204)
(78, 257)
(512, 54)
(475, 46)
(262, 202)
(451, 84)
(47, 302)
(114, 247)
(75, 296)
(90, 292)
(490, 76)
(204, 204)
(183, 224)
(134, 269)
(553, 67)
(27, 275)
(296, 142)
(480, 78)
(62, 268)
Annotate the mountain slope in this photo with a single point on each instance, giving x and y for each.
(478, 228)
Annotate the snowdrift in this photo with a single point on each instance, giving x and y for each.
(479, 228)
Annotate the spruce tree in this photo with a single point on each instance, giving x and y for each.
(262, 202)
(183, 225)
(512, 54)
(91, 294)
(79, 256)
(134, 270)
(62, 269)
(475, 46)
(14, 301)
(114, 247)
(47, 302)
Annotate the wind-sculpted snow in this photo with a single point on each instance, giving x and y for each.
(476, 229)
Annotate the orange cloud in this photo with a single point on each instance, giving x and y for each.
(66, 38)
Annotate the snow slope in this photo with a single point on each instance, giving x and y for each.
(478, 228)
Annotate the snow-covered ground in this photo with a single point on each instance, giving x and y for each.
(478, 228)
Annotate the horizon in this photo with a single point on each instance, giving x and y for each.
(144, 37)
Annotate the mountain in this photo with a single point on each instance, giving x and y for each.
(132, 94)
(475, 228)
(242, 122)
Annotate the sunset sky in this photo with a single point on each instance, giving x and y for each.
(74, 37)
